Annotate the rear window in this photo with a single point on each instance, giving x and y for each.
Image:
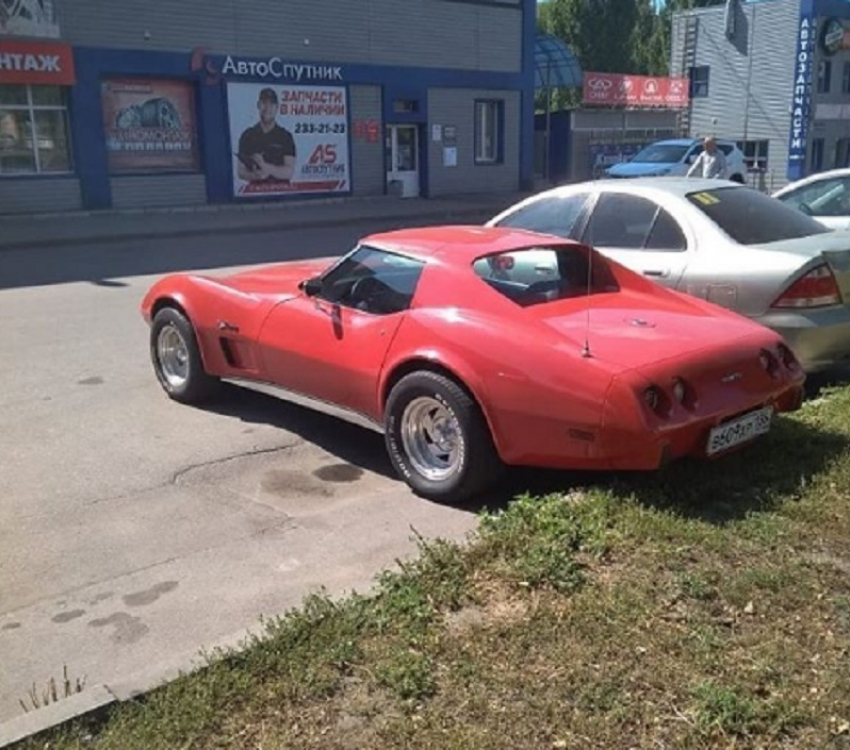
(753, 218)
(536, 275)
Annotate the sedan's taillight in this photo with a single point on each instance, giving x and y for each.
(817, 288)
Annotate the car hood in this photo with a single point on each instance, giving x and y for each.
(281, 279)
(638, 335)
(639, 169)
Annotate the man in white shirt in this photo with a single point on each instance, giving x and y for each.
(711, 163)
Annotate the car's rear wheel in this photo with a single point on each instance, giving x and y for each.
(177, 359)
(438, 439)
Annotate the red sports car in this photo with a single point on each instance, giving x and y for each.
(474, 348)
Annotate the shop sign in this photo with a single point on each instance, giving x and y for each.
(276, 68)
(28, 18)
(834, 37)
(288, 139)
(801, 100)
(149, 125)
(36, 63)
(615, 89)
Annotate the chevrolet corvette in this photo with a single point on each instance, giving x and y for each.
(469, 359)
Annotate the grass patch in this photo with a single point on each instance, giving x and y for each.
(704, 606)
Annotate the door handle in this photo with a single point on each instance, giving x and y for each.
(656, 272)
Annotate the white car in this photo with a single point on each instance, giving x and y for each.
(675, 157)
(824, 196)
(727, 243)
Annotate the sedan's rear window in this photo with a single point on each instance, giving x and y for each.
(753, 218)
(535, 275)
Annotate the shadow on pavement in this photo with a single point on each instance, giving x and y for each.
(104, 264)
(754, 479)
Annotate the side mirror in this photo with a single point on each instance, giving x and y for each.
(312, 287)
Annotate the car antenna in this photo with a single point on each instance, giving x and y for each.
(585, 350)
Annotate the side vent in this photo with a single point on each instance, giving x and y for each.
(228, 352)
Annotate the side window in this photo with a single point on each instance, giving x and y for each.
(621, 221)
(694, 153)
(826, 198)
(373, 281)
(726, 148)
(666, 234)
(556, 216)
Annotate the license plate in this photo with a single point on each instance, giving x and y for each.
(739, 430)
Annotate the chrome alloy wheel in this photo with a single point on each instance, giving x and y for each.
(173, 356)
(432, 438)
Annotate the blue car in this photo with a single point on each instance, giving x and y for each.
(674, 157)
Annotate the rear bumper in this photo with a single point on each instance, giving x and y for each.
(633, 451)
(820, 339)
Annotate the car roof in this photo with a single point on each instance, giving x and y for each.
(676, 185)
(688, 141)
(675, 142)
(459, 244)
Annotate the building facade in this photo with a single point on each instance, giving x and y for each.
(773, 75)
(215, 101)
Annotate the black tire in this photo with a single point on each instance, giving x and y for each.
(197, 386)
(478, 464)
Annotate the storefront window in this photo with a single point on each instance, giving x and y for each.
(699, 81)
(487, 132)
(755, 154)
(33, 130)
(824, 76)
(817, 154)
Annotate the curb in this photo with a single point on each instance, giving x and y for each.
(246, 228)
(87, 703)
(98, 699)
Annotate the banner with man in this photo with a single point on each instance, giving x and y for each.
(288, 139)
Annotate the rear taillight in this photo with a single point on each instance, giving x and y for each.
(817, 288)
(769, 362)
(787, 357)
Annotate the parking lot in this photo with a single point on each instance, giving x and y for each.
(136, 531)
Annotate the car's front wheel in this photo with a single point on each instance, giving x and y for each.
(177, 360)
(438, 439)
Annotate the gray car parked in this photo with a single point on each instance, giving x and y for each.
(717, 240)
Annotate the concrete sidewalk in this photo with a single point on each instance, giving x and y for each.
(82, 227)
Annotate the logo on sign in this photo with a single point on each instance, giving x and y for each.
(650, 87)
(323, 154)
(600, 84)
(199, 62)
(833, 36)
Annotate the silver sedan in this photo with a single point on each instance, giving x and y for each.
(717, 240)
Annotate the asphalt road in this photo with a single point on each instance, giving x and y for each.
(134, 531)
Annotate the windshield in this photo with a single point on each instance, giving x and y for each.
(535, 275)
(753, 218)
(659, 153)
